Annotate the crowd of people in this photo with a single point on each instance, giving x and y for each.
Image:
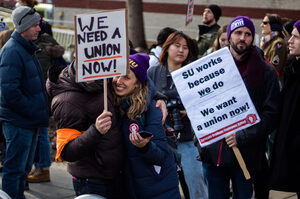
(143, 146)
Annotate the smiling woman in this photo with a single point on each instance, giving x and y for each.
(152, 169)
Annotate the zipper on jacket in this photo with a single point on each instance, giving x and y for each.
(219, 155)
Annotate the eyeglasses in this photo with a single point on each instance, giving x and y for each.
(30, 12)
(265, 22)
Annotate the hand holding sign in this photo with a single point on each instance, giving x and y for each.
(231, 140)
(103, 122)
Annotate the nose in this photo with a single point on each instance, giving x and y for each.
(119, 80)
(243, 36)
(291, 39)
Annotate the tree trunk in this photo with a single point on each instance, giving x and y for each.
(136, 23)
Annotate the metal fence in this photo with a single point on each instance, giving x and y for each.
(65, 38)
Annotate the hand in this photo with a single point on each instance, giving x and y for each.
(286, 35)
(137, 140)
(231, 140)
(163, 107)
(103, 122)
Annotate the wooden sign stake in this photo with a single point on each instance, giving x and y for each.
(242, 164)
(105, 93)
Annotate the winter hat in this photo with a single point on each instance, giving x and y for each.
(216, 10)
(297, 25)
(240, 21)
(24, 17)
(139, 64)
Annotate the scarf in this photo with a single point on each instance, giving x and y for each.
(264, 40)
(251, 69)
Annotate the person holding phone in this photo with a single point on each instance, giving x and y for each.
(150, 166)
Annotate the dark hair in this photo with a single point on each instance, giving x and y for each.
(194, 50)
(174, 37)
(162, 37)
(289, 26)
(275, 23)
(222, 29)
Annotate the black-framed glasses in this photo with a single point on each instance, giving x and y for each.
(265, 22)
(30, 12)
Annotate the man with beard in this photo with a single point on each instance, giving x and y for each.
(219, 162)
(208, 32)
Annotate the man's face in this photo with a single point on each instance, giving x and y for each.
(294, 43)
(32, 33)
(241, 40)
(208, 17)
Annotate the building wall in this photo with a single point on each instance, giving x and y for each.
(161, 13)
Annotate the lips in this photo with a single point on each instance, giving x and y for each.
(119, 88)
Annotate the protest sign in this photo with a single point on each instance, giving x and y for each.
(190, 12)
(101, 45)
(215, 97)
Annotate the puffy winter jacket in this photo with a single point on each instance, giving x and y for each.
(23, 97)
(76, 106)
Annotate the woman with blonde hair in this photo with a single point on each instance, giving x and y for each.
(151, 169)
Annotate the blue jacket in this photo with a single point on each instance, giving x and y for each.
(142, 179)
(23, 98)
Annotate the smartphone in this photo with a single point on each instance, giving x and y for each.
(145, 134)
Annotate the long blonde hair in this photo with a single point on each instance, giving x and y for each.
(137, 100)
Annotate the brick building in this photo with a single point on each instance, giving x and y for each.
(162, 13)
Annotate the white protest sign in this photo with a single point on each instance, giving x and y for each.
(101, 45)
(215, 97)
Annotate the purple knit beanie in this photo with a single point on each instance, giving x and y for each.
(240, 21)
(139, 64)
(297, 25)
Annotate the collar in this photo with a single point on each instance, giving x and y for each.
(28, 45)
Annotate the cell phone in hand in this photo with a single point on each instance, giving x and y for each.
(145, 134)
